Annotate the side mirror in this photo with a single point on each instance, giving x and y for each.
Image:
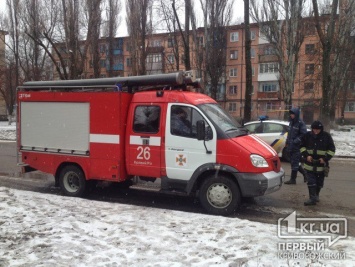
(200, 128)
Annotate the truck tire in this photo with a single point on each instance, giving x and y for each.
(72, 181)
(219, 196)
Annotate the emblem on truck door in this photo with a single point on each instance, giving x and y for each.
(181, 160)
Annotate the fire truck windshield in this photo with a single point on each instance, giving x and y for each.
(223, 120)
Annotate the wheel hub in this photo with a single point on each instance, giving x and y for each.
(71, 182)
(219, 195)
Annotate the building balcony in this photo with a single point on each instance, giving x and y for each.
(115, 67)
(267, 58)
(268, 95)
(115, 52)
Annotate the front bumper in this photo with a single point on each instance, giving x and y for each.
(253, 185)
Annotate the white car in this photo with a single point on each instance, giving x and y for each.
(273, 132)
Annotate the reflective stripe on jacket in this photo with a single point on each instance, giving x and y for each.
(318, 146)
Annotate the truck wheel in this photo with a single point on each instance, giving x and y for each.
(72, 181)
(220, 196)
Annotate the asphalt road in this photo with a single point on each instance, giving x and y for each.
(336, 198)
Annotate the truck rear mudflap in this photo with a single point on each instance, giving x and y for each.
(253, 185)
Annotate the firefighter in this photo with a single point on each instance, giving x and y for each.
(296, 131)
(317, 148)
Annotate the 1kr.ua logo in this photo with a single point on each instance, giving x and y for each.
(181, 160)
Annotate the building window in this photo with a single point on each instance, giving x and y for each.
(102, 63)
(308, 87)
(253, 71)
(269, 67)
(269, 50)
(171, 42)
(350, 107)
(234, 36)
(252, 53)
(233, 89)
(309, 69)
(272, 106)
(269, 87)
(252, 35)
(102, 48)
(233, 72)
(171, 59)
(129, 62)
(153, 58)
(352, 86)
(232, 107)
(199, 40)
(155, 43)
(310, 29)
(234, 54)
(310, 49)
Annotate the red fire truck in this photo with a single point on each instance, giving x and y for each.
(139, 129)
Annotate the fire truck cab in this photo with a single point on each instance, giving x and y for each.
(143, 128)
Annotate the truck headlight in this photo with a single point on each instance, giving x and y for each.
(258, 161)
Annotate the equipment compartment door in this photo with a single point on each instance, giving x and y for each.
(145, 141)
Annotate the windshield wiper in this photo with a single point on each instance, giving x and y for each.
(232, 129)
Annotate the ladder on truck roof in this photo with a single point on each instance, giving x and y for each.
(170, 80)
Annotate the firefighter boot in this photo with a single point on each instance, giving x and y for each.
(293, 178)
(312, 196)
(304, 173)
(317, 193)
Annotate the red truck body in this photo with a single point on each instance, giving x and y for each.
(82, 134)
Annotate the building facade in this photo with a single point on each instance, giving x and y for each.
(164, 53)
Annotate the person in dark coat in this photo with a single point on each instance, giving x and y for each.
(295, 134)
(317, 148)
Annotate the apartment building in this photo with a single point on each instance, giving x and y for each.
(163, 56)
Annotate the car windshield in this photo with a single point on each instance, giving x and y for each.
(223, 120)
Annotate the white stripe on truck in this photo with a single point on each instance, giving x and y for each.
(105, 138)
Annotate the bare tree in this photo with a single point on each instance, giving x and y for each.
(337, 51)
(112, 11)
(248, 67)
(343, 72)
(139, 15)
(281, 25)
(12, 71)
(217, 15)
(93, 14)
(167, 11)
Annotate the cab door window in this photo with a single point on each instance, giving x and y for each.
(146, 119)
(183, 121)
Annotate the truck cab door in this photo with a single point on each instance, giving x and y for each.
(184, 154)
(144, 140)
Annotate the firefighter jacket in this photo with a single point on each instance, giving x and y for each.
(318, 146)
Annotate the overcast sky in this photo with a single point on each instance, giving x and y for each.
(238, 14)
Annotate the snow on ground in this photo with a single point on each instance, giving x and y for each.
(7, 132)
(38, 229)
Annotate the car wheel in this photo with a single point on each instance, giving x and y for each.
(219, 196)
